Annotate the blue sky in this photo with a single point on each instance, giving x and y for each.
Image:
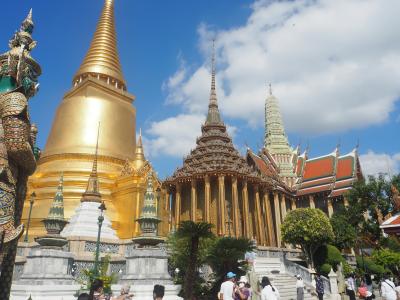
(334, 66)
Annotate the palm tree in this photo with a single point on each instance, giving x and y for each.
(193, 232)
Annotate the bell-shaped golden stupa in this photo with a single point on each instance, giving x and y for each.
(98, 96)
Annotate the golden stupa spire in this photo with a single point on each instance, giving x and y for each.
(102, 59)
(139, 153)
(92, 193)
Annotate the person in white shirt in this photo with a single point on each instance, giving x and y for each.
(388, 289)
(351, 287)
(227, 287)
(269, 292)
(300, 288)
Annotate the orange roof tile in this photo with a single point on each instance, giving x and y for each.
(313, 190)
(343, 183)
(299, 166)
(337, 193)
(262, 166)
(345, 167)
(319, 168)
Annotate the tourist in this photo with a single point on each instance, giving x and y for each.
(241, 291)
(158, 292)
(124, 293)
(227, 287)
(248, 286)
(96, 290)
(397, 288)
(388, 289)
(364, 292)
(84, 296)
(351, 287)
(300, 287)
(269, 292)
(368, 282)
(319, 286)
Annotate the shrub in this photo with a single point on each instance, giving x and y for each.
(369, 265)
(328, 255)
(325, 269)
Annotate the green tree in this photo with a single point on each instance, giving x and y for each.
(374, 198)
(193, 232)
(328, 254)
(345, 233)
(309, 228)
(89, 275)
(227, 255)
(388, 259)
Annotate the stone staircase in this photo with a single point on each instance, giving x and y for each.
(286, 285)
(273, 268)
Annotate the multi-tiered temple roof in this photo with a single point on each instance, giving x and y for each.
(214, 151)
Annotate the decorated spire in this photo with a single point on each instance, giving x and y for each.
(92, 193)
(148, 219)
(149, 210)
(275, 135)
(55, 222)
(213, 116)
(139, 153)
(276, 141)
(102, 58)
(57, 207)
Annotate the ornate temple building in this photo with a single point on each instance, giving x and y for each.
(217, 185)
(98, 94)
(251, 196)
(319, 182)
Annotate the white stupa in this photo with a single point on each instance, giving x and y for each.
(84, 223)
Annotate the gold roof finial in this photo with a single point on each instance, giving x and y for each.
(102, 56)
(139, 153)
(213, 116)
(92, 193)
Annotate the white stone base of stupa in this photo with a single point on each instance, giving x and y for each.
(145, 292)
(84, 223)
(44, 292)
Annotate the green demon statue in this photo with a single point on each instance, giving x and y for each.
(18, 82)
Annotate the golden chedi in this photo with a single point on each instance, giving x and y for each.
(98, 96)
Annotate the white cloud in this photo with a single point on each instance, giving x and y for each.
(374, 163)
(174, 136)
(334, 65)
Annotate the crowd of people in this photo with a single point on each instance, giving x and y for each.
(360, 288)
(97, 292)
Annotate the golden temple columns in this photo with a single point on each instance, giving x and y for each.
(167, 201)
(178, 205)
(235, 207)
(245, 197)
(221, 200)
(277, 219)
(283, 207)
(193, 201)
(260, 227)
(168, 209)
(137, 214)
(330, 208)
(312, 203)
(268, 210)
(293, 201)
(207, 199)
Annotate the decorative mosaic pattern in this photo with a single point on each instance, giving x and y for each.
(118, 268)
(78, 267)
(104, 247)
